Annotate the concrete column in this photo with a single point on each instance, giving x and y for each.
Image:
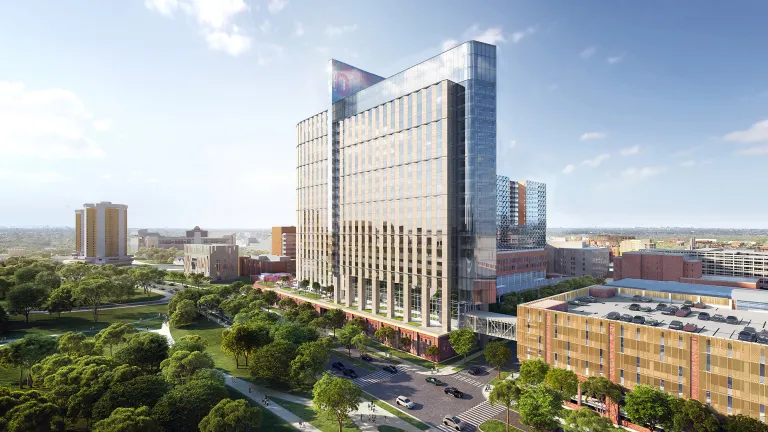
(375, 294)
(407, 299)
(446, 305)
(390, 298)
(425, 281)
(337, 290)
(360, 293)
(349, 289)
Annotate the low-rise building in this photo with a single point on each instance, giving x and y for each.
(253, 266)
(217, 261)
(633, 245)
(575, 258)
(145, 239)
(519, 270)
(284, 241)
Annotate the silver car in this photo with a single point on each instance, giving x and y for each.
(453, 422)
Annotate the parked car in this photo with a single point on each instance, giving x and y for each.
(646, 299)
(435, 381)
(687, 303)
(453, 422)
(613, 316)
(578, 303)
(683, 312)
(338, 366)
(676, 325)
(704, 316)
(646, 309)
(637, 298)
(638, 319)
(186, 286)
(690, 327)
(404, 401)
(670, 310)
(730, 319)
(634, 307)
(475, 370)
(366, 357)
(747, 336)
(762, 337)
(350, 373)
(588, 299)
(390, 369)
(171, 284)
(661, 306)
(454, 391)
(699, 305)
(651, 322)
(718, 318)
(626, 318)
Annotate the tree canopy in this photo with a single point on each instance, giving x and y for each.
(336, 397)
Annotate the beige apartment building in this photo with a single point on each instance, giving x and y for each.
(101, 234)
(284, 241)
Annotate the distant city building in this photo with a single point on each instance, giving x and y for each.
(101, 234)
(217, 261)
(253, 266)
(738, 263)
(145, 239)
(284, 241)
(521, 270)
(634, 245)
(577, 259)
(521, 214)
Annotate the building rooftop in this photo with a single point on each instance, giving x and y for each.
(730, 278)
(674, 287)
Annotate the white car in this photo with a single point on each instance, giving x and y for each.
(453, 422)
(404, 401)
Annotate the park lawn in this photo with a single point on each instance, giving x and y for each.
(210, 331)
(139, 296)
(504, 375)
(47, 324)
(497, 426)
(402, 355)
(269, 420)
(384, 428)
(311, 416)
(389, 408)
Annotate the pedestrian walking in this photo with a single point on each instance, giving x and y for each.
(250, 389)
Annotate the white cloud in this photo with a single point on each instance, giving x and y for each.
(492, 35)
(450, 43)
(340, 30)
(642, 173)
(596, 161)
(215, 18)
(588, 52)
(521, 34)
(590, 136)
(758, 132)
(29, 177)
(629, 151)
(757, 150)
(568, 169)
(513, 144)
(233, 43)
(47, 124)
(615, 59)
(265, 26)
(106, 176)
(299, 29)
(276, 6)
(102, 124)
(687, 164)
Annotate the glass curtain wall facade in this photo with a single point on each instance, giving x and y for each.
(408, 200)
(521, 214)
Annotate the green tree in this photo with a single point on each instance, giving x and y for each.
(78, 345)
(586, 420)
(234, 305)
(294, 333)
(91, 292)
(405, 343)
(5, 285)
(196, 279)
(462, 341)
(690, 415)
(144, 350)
(144, 276)
(241, 340)
(209, 302)
(336, 397)
(270, 297)
(539, 408)
(309, 362)
(336, 318)
(304, 283)
(60, 300)
(287, 303)
(34, 416)
(141, 391)
(231, 416)
(602, 389)
(346, 335)
(562, 381)
(190, 342)
(533, 372)
(433, 352)
(315, 287)
(26, 352)
(185, 314)
(114, 335)
(648, 406)
(3, 320)
(48, 280)
(74, 272)
(24, 298)
(128, 420)
(386, 334)
(497, 354)
(506, 393)
(361, 342)
(25, 275)
(193, 294)
(185, 406)
(742, 423)
(272, 362)
(123, 287)
(182, 365)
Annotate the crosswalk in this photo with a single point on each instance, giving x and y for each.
(468, 379)
(476, 416)
(379, 375)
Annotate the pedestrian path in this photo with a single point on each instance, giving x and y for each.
(368, 418)
(476, 416)
(468, 379)
(380, 375)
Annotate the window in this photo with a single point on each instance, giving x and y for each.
(621, 376)
(709, 398)
(621, 340)
(637, 333)
(762, 412)
(661, 385)
(601, 356)
(586, 367)
(679, 389)
(555, 359)
(730, 383)
(730, 350)
(762, 366)
(708, 347)
(680, 341)
(730, 404)
(586, 334)
(661, 349)
(601, 369)
(601, 327)
(568, 356)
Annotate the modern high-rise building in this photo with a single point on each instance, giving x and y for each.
(521, 213)
(284, 241)
(397, 189)
(101, 234)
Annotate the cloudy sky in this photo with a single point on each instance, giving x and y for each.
(634, 113)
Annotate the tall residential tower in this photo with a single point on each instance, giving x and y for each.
(101, 234)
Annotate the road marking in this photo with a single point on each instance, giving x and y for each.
(468, 380)
(379, 376)
(479, 414)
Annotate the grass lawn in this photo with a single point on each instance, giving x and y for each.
(390, 359)
(457, 359)
(83, 320)
(402, 355)
(355, 361)
(211, 333)
(496, 426)
(139, 296)
(311, 416)
(383, 428)
(269, 420)
(389, 408)
(504, 376)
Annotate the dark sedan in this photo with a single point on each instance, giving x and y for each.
(475, 370)
(366, 357)
(433, 380)
(458, 394)
(626, 318)
(730, 319)
(671, 310)
(338, 366)
(350, 373)
(613, 316)
(634, 307)
(390, 369)
(718, 318)
(676, 325)
(637, 319)
(661, 306)
(704, 316)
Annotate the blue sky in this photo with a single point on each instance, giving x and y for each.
(634, 113)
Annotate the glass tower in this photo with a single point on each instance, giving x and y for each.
(397, 188)
(521, 214)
